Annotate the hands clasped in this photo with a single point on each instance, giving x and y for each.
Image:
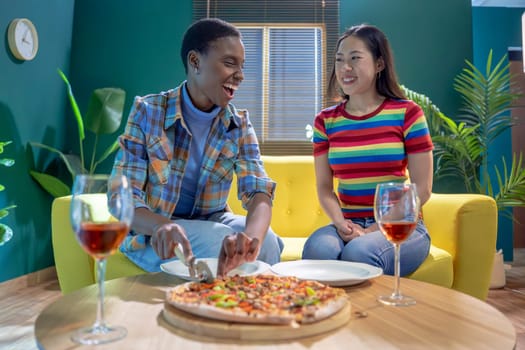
(348, 230)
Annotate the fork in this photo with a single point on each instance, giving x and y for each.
(199, 271)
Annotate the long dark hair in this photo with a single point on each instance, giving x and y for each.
(376, 41)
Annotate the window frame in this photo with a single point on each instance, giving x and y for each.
(295, 147)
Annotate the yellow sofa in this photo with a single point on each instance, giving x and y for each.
(462, 226)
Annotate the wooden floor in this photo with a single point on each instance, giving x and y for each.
(22, 299)
(510, 300)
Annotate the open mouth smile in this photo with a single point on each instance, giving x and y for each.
(349, 80)
(230, 89)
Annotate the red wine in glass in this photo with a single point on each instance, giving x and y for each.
(397, 232)
(101, 214)
(396, 211)
(101, 239)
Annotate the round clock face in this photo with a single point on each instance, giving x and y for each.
(23, 39)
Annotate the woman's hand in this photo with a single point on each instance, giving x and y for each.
(166, 237)
(236, 249)
(348, 230)
(372, 228)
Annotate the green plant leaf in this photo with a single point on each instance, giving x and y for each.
(7, 162)
(3, 144)
(461, 145)
(5, 211)
(5, 234)
(62, 156)
(51, 184)
(432, 113)
(105, 110)
(75, 164)
(74, 105)
(511, 183)
(104, 116)
(109, 151)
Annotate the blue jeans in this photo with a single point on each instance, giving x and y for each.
(205, 236)
(372, 248)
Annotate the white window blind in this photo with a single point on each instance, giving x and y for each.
(287, 44)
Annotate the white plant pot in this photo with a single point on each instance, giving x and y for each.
(498, 271)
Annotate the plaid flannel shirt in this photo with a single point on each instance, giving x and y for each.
(154, 151)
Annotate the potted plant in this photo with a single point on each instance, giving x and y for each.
(5, 231)
(103, 116)
(462, 145)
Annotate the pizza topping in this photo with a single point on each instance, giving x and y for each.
(263, 298)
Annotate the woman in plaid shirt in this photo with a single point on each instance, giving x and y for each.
(180, 151)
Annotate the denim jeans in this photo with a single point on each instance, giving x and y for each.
(205, 236)
(372, 248)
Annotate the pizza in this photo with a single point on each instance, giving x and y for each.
(259, 299)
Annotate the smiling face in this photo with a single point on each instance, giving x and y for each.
(214, 76)
(355, 67)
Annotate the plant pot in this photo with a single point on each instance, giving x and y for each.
(5, 234)
(498, 279)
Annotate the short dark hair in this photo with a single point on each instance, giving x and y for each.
(377, 42)
(201, 33)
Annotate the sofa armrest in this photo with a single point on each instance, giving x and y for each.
(74, 266)
(465, 225)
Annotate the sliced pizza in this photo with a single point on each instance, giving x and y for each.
(259, 299)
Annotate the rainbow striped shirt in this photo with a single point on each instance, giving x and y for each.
(367, 150)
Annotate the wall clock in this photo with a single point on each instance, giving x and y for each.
(22, 38)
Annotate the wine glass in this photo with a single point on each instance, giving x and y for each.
(396, 210)
(100, 233)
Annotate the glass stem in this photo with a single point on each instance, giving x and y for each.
(397, 270)
(101, 276)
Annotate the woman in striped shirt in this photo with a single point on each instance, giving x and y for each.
(374, 135)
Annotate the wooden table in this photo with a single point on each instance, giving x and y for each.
(441, 319)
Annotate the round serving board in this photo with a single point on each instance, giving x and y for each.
(202, 326)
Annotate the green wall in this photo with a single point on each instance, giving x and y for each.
(430, 40)
(133, 45)
(32, 105)
(498, 28)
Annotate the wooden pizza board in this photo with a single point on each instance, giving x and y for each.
(202, 326)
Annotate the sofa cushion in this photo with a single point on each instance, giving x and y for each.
(437, 268)
(293, 248)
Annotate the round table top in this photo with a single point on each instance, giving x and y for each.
(442, 319)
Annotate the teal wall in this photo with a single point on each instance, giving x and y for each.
(430, 40)
(498, 28)
(428, 53)
(32, 105)
(135, 46)
(97, 43)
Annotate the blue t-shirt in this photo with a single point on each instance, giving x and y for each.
(199, 123)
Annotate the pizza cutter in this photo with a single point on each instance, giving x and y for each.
(199, 271)
(203, 271)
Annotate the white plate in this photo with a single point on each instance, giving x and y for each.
(332, 272)
(177, 268)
